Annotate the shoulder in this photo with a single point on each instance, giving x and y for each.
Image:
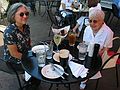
(10, 28)
(107, 29)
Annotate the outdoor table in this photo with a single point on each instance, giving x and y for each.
(30, 65)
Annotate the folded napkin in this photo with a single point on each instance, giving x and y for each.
(27, 76)
(56, 31)
(78, 69)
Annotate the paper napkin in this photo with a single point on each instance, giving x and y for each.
(78, 69)
(27, 76)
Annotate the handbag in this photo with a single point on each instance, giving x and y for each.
(107, 53)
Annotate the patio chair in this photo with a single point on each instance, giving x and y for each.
(105, 66)
(115, 12)
(11, 70)
(56, 21)
(109, 62)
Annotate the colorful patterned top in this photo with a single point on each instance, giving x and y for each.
(13, 35)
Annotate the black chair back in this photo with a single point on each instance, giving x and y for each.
(115, 10)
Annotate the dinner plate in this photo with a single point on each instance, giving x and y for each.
(48, 72)
(57, 59)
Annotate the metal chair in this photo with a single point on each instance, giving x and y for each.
(56, 20)
(11, 70)
(115, 12)
(104, 66)
(109, 62)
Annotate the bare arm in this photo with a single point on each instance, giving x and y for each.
(14, 52)
(75, 28)
(63, 6)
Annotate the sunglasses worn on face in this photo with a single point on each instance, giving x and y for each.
(22, 14)
(94, 21)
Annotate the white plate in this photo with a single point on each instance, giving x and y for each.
(36, 48)
(49, 73)
(57, 59)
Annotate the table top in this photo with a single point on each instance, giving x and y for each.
(30, 65)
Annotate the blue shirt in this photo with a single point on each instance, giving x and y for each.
(117, 3)
(13, 35)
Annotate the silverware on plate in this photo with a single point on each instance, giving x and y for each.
(57, 71)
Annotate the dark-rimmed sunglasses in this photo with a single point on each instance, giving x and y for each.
(22, 14)
(94, 21)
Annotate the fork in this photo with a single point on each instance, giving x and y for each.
(52, 67)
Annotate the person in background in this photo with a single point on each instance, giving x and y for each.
(97, 32)
(17, 39)
(66, 12)
(117, 3)
(84, 19)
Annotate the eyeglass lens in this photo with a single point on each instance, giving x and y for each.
(94, 21)
(22, 14)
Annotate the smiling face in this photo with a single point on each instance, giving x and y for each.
(96, 23)
(96, 19)
(21, 16)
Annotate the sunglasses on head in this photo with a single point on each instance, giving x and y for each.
(22, 14)
(94, 21)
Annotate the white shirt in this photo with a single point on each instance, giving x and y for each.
(102, 37)
(67, 4)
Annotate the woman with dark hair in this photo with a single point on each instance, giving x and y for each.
(17, 36)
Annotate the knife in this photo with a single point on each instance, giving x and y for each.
(60, 70)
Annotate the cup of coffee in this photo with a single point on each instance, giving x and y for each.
(64, 55)
(72, 38)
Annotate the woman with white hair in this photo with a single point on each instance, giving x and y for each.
(84, 19)
(97, 32)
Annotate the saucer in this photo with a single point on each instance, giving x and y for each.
(37, 48)
(57, 59)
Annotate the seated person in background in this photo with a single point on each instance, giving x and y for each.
(17, 40)
(84, 19)
(66, 11)
(97, 32)
(117, 3)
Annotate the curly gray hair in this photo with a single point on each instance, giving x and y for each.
(12, 10)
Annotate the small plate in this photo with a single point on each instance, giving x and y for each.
(36, 48)
(57, 59)
(49, 73)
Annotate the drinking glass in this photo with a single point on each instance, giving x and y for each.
(82, 51)
(57, 39)
(49, 52)
(72, 38)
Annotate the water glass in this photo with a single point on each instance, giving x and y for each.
(82, 51)
(41, 56)
(49, 52)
